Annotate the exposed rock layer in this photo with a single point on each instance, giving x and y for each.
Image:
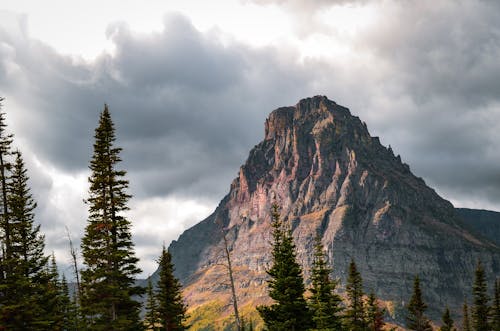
(331, 178)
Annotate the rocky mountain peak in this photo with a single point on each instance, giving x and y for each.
(331, 178)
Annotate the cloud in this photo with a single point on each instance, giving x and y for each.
(189, 105)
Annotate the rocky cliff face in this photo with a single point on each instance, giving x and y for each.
(331, 178)
(483, 222)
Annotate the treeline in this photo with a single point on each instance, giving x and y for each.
(33, 296)
(323, 309)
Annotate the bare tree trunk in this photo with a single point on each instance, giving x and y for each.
(233, 289)
(72, 251)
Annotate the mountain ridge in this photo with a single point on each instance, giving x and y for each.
(332, 178)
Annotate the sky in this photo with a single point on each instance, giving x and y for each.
(190, 83)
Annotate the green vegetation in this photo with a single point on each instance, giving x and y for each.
(416, 319)
(447, 321)
(374, 315)
(480, 309)
(324, 302)
(107, 248)
(286, 284)
(171, 308)
(355, 312)
(465, 316)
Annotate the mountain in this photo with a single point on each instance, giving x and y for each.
(330, 177)
(483, 222)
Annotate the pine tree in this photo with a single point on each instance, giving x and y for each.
(68, 307)
(151, 319)
(374, 315)
(5, 165)
(6, 261)
(24, 281)
(496, 307)
(465, 316)
(53, 299)
(480, 309)
(447, 321)
(107, 247)
(416, 320)
(171, 308)
(286, 284)
(355, 311)
(324, 302)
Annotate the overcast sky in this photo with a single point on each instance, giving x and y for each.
(190, 83)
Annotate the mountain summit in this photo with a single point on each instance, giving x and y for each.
(330, 177)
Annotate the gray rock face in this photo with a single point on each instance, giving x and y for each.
(484, 222)
(331, 178)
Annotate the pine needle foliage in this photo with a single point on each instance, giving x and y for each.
(354, 318)
(171, 307)
(374, 314)
(447, 321)
(152, 318)
(496, 307)
(416, 319)
(107, 247)
(25, 282)
(480, 309)
(324, 303)
(286, 284)
(465, 318)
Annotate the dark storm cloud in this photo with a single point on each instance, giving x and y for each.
(443, 60)
(188, 106)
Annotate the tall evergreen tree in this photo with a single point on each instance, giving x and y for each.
(5, 165)
(324, 302)
(151, 319)
(447, 321)
(25, 281)
(5, 232)
(53, 298)
(107, 247)
(495, 321)
(355, 312)
(416, 319)
(69, 308)
(286, 284)
(374, 315)
(480, 309)
(465, 317)
(171, 308)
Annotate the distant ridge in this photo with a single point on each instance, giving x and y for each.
(484, 222)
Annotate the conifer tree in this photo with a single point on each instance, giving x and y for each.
(465, 318)
(171, 308)
(68, 307)
(480, 309)
(5, 152)
(52, 297)
(26, 241)
(496, 307)
(416, 319)
(286, 285)
(447, 321)
(25, 278)
(324, 302)
(107, 247)
(5, 232)
(151, 319)
(355, 312)
(374, 315)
